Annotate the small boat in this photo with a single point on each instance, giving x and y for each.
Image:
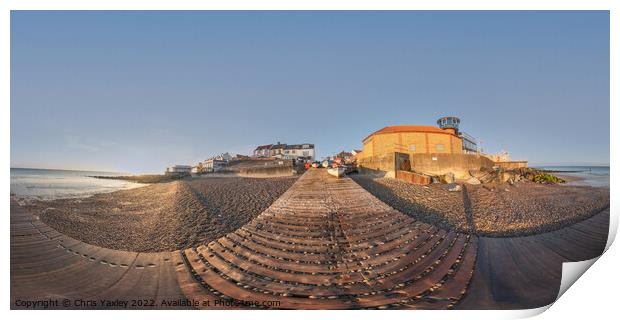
(336, 172)
(326, 164)
(315, 164)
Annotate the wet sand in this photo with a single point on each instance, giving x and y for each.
(524, 208)
(165, 216)
(568, 177)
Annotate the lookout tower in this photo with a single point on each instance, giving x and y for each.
(449, 123)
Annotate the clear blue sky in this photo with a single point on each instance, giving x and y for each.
(137, 91)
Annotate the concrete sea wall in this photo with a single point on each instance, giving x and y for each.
(439, 163)
(430, 164)
(383, 165)
(266, 172)
(510, 165)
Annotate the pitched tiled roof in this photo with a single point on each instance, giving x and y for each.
(410, 128)
(267, 146)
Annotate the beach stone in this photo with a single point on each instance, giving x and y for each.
(454, 187)
(473, 181)
(447, 178)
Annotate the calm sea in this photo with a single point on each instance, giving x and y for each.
(596, 176)
(55, 184)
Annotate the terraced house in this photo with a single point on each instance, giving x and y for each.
(286, 151)
(295, 151)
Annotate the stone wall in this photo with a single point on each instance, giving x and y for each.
(264, 172)
(413, 177)
(510, 165)
(383, 165)
(412, 143)
(428, 164)
(458, 164)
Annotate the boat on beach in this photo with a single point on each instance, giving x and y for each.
(336, 171)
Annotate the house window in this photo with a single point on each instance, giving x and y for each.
(439, 147)
(412, 147)
(306, 153)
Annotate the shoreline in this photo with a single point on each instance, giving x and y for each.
(144, 178)
(69, 196)
(568, 177)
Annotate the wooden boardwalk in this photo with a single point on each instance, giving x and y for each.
(525, 272)
(47, 264)
(324, 244)
(329, 244)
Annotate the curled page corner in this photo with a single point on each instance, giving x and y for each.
(528, 313)
(613, 228)
(571, 271)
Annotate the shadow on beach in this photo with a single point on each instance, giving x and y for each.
(500, 210)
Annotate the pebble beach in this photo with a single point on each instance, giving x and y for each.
(163, 216)
(523, 208)
(189, 212)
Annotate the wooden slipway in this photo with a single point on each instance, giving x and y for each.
(324, 244)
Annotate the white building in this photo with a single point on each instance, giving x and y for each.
(213, 165)
(179, 169)
(262, 151)
(223, 157)
(294, 151)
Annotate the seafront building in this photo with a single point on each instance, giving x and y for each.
(432, 150)
(346, 157)
(179, 169)
(295, 151)
(279, 150)
(412, 139)
(262, 151)
(213, 165)
(415, 139)
(224, 157)
(469, 143)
